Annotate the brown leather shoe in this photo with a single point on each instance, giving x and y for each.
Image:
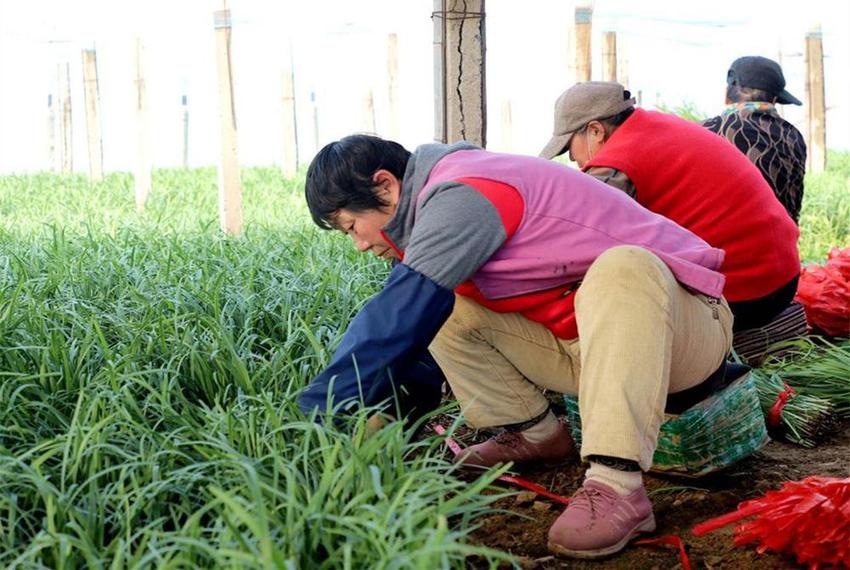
(513, 446)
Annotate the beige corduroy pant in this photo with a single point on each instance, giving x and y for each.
(642, 335)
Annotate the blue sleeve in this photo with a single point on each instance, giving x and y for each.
(387, 338)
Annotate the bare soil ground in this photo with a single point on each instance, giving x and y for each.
(679, 505)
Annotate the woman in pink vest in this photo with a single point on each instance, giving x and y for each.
(518, 275)
(700, 181)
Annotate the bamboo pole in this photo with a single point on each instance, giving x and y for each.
(583, 23)
(51, 135)
(392, 85)
(142, 179)
(816, 124)
(779, 57)
(184, 101)
(609, 56)
(229, 182)
(93, 136)
(440, 104)
(66, 124)
(460, 33)
(290, 126)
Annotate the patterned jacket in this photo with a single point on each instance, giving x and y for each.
(773, 144)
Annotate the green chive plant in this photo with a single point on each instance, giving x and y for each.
(148, 375)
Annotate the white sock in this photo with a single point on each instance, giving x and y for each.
(624, 482)
(543, 429)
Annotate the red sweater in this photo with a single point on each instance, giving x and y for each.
(700, 181)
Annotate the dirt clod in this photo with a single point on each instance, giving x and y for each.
(525, 497)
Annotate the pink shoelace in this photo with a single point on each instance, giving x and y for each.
(585, 499)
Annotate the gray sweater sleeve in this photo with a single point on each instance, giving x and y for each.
(613, 177)
(457, 229)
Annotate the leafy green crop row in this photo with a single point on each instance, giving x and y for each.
(825, 217)
(148, 369)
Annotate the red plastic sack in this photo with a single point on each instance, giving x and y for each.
(840, 260)
(824, 292)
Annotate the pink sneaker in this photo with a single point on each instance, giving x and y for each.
(513, 446)
(599, 522)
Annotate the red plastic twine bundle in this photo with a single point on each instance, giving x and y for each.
(773, 416)
(809, 519)
(668, 540)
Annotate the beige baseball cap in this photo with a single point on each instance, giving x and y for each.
(580, 104)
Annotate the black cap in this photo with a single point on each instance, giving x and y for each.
(760, 73)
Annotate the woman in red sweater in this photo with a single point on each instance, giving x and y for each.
(686, 173)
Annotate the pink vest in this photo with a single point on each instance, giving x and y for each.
(569, 219)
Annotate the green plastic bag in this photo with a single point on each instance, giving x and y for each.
(715, 433)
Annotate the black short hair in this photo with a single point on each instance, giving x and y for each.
(619, 118)
(340, 176)
(738, 94)
(610, 124)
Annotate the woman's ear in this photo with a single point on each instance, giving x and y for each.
(387, 187)
(596, 132)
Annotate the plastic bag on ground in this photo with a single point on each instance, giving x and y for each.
(824, 292)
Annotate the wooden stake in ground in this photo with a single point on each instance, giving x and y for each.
(392, 85)
(622, 63)
(315, 107)
(779, 57)
(816, 124)
(229, 182)
(583, 19)
(95, 143)
(609, 56)
(439, 58)
(369, 113)
(143, 160)
(51, 134)
(66, 126)
(185, 104)
(290, 126)
(460, 96)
